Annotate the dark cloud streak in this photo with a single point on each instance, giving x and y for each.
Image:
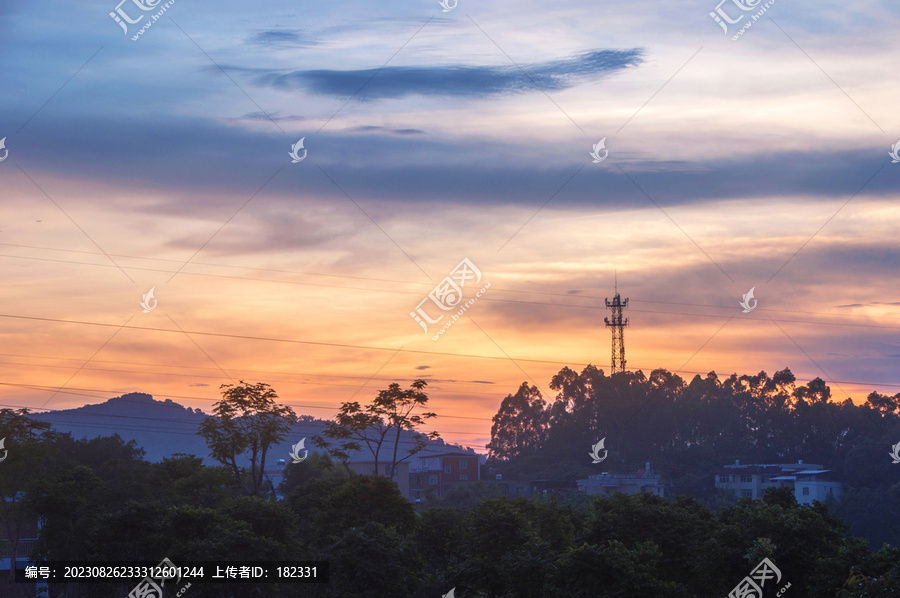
(282, 37)
(457, 80)
(208, 157)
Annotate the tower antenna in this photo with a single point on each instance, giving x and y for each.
(617, 323)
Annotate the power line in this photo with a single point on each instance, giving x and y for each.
(333, 409)
(396, 291)
(167, 430)
(435, 383)
(402, 445)
(339, 345)
(321, 343)
(434, 388)
(497, 300)
(171, 421)
(269, 339)
(171, 396)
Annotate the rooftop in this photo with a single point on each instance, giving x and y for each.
(449, 455)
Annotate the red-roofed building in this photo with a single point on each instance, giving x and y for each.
(443, 472)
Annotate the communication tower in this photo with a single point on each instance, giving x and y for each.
(618, 324)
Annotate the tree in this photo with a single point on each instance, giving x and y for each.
(814, 392)
(183, 479)
(22, 450)
(16, 425)
(877, 577)
(520, 425)
(498, 537)
(372, 561)
(315, 467)
(329, 507)
(467, 496)
(782, 530)
(389, 414)
(885, 404)
(441, 541)
(680, 529)
(83, 489)
(247, 422)
(624, 572)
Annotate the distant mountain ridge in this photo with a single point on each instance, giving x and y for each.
(163, 428)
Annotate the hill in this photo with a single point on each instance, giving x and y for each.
(163, 428)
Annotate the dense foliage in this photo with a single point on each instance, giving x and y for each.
(100, 500)
(687, 430)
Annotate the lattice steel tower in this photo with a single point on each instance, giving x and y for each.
(618, 324)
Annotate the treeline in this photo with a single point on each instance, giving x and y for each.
(687, 430)
(99, 500)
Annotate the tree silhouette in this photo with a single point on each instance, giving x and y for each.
(378, 424)
(246, 423)
(520, 424)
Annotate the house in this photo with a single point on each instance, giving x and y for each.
(813, 484)
(645, 480)
(442, 472)
(808, 481)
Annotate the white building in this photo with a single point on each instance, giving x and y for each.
(811, 484)
(808, 481)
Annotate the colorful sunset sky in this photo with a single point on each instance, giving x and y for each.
(432, 137)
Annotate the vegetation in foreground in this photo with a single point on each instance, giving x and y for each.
(99, 500)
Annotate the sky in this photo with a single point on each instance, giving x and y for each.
(432, 135)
